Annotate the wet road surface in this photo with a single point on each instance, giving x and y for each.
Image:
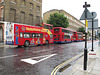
(37, 60)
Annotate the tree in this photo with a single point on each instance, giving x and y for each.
(81, 29)
(58, 20)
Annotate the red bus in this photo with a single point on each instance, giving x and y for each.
(19, 34)
(78, 36)
(62, 35)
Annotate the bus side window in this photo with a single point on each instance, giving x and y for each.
(62, 36)
(33, 35)
(27, 35)
(51, 36)
(38, 35)
(41, 35)
(21, 35)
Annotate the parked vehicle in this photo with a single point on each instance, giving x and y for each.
(62, 35)
(78, 36)
(20, 34)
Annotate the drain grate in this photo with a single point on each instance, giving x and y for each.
(65, 67)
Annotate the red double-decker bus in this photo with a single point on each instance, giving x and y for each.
(19, 34)
(78, 36)
(62, 35)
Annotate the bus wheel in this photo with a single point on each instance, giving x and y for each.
(19, 46)
(26, 44)
(47, 42)
(71, 41)
(65, 42)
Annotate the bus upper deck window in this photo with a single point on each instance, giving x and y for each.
(56, 29)
(46, 26)
(50, 27)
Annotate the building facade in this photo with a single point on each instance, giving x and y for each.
(20, 11)
(74, 23)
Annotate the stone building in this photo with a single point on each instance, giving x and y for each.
(20, 11)
(74, 23)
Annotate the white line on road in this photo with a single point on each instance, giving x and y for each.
(8, 56)
(39, 51)
(31, 61)
(40, 57)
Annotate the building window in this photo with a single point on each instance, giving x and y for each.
(1, 1)
(31, 5)
(38, 8)
(38, 0)
(12, 15)
(14, 1)
(38, 19)
(22, 17)
(30, 19)
(1, 34)
(2, 10)
(23, 2)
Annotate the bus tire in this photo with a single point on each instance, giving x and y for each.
(47, 42)
(65, 42)
(19, 46)
(71, 41)
(26, 44)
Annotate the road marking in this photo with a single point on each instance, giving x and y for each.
(8, 56)
(39, 51)
(40, 57)
(62, 64)
(31, 61)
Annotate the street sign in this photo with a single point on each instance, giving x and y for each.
(89, 15)
(95, 24)
(94, 14)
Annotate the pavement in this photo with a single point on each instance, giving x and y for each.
(93, 65)
(2, 45)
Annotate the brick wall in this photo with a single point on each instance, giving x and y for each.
(26, 7)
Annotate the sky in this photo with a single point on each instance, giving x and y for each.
(73, 7)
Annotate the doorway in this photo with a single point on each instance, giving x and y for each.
(1, 34)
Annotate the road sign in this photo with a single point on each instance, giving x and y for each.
(89, 15)
(95, 24)
(94, 14)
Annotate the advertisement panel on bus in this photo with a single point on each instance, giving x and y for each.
(10, 33)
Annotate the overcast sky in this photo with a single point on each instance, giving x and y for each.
(73, 7)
